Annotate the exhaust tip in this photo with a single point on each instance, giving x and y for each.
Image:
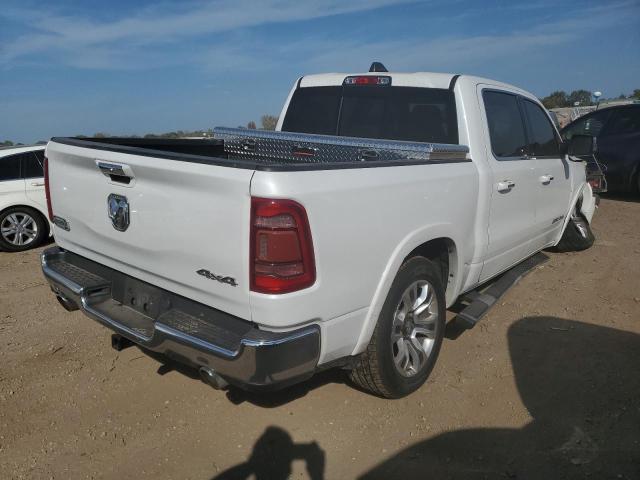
(210, 377)
(69, 305)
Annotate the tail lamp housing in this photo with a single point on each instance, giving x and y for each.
(47, 190)
(282, 259)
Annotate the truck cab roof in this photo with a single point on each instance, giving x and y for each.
(403, 79)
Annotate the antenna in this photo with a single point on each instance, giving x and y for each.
(377, 67)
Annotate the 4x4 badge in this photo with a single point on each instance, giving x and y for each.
(218, 278)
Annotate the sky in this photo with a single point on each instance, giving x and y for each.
(70, 67)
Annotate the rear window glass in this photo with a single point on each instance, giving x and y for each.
(313, 110)
(393, 113)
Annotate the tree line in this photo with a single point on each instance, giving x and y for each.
(560, 98)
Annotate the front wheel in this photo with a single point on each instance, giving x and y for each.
(407, 338)
(577, 234)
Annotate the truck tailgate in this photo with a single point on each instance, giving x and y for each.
(188, 228)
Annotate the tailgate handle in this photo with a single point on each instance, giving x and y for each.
(116, 172)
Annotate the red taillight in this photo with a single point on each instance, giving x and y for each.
(46, 187)
(281, 248)
(368, 80)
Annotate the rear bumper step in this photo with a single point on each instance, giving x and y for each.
(182, 329)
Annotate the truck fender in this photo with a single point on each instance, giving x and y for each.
(587, 200)
(404, 248)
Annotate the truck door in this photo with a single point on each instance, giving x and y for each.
(512, 218)
(553, 187)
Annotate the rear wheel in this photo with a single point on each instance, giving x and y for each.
(21, 228)
(577, 235)
(407, 338)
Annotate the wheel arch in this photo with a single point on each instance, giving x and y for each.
(585, 200)
(436, 243)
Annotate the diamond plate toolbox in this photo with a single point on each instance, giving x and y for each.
(300, 148)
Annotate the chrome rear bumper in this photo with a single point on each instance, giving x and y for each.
(182, 329)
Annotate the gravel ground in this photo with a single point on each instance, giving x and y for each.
(546, 386)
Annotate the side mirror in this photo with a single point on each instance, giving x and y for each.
(580, 146)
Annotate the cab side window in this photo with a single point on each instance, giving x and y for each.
(542, 135)
(506, 129)
(10, 167)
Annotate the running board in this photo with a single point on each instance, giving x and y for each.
(482, 299)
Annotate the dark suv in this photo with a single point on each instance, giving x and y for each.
(617, 130)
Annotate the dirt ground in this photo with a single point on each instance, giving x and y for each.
(547, 386)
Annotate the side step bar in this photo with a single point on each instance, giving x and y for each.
(479, 301)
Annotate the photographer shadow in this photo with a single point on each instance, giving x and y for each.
(272, 457)
(581, 386)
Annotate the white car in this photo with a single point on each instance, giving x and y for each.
(339, 241)
(23, 204)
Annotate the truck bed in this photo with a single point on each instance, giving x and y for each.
(279, 151)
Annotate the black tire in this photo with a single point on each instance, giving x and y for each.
(7, 240)
(577, 235)
(376, 370)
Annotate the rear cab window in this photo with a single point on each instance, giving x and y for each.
(379, 112)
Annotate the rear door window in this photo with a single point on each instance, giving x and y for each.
(542, 135)
(10, 167)
(32, 165)
(506, 128)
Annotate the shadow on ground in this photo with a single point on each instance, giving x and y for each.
(581, 386)
(272, 457)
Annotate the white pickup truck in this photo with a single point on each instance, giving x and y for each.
(337, 241)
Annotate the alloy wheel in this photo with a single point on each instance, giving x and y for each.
(413, 332)
(19, 229)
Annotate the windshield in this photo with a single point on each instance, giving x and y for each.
(394, 113)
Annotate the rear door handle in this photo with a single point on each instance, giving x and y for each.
(37, 184)
(506, 185)
(545, 179)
